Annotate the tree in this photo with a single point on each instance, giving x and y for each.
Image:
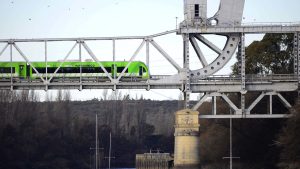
(271, 55)
(104, 94)
(289, 141)
(59, 96)
(116, 95)
(48, 97)
(126, 97)
(67, 95)
(33, 96)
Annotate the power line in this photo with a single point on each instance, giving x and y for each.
(162, 95)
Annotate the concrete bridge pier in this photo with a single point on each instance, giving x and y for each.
(187, 144)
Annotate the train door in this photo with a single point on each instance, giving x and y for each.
(141, 71)
(113, 70)
(22, 71)
(28, 71)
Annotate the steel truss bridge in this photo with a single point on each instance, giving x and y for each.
(188, 81)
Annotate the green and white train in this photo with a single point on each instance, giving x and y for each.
(73, 69)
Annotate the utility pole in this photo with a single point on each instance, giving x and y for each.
(96, 145)
(96, 156)
(109, 152)
(230, 140)
(230, 144)
(176, 22)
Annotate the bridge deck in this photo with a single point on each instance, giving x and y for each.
(249, 28)
(209, 84)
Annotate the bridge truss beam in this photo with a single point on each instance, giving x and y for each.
(297, 56)
(272, 89)
(185, 80)
(247, 29)
(241, 112)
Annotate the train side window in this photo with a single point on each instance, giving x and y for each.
(108, 69)
(51, 69)
(75, 69)
(141, 71)
(67, 70)
(40, 70)
(85, 70)
(100, 70)
(70, 70)
(60, 70)
(7, 70)
(120, 69)
(88, 70)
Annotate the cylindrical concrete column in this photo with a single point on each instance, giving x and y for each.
(187, 148)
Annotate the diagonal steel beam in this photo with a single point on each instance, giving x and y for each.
(256, 101)
(284, 101)
(131, 59)
(201, 101)
(162, 33)
(209, 44)
(68, 54)
(198, 51)
(168, 57)
(27, 60)
(2, 51)
(96, 60)
(231, 104)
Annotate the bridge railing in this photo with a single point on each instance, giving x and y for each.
(272, 77)
(270, 23)
(250, 78)
(255, 78)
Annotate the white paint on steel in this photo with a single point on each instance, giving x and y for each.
(68, 54)
(230, 12)
(198, 51)
(131, 59)
(96, 60)
(27, 60)
(209, 44)
(220, 61)
(168, 57)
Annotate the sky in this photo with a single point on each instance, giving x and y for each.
(103, 18)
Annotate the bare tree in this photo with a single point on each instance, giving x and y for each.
(116, 95)
(180, 101)
(104, 94)
(23, 96)
(67, 95)
(48, 97)
(33, 96)
(180, 96)
(59, 96)
(142, 97)
(7, 96)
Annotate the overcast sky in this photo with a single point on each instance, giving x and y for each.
(97, 18)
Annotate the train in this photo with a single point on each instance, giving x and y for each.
(73, 69)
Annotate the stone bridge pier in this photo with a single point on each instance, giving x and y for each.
(187, 144)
